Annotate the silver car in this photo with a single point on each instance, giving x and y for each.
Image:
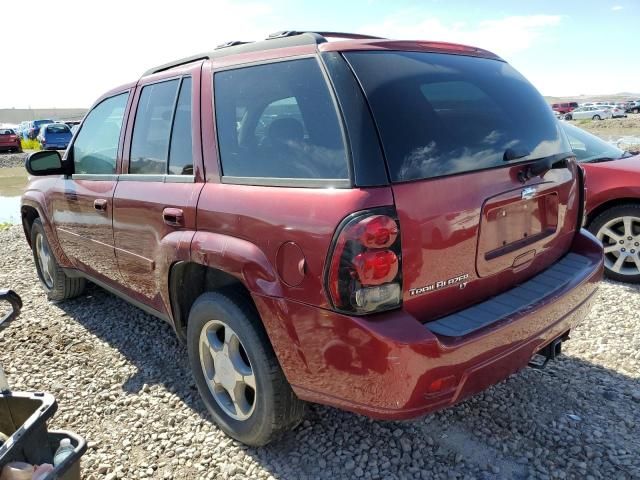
(595, 112)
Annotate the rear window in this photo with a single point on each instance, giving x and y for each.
(6, 131)
(38, 123)
(448, 114)
(58, 128)
(278, 121)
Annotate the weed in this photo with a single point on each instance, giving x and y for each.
(30, 144)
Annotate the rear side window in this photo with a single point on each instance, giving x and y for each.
(57, 128)
(443, 114)
(161, 141)
(278, 121)
(152, 128)
(96, 145)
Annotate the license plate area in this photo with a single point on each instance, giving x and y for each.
(511, 227)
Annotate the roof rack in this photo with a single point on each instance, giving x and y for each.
(232, 43)
(284, 38)
(352, 36)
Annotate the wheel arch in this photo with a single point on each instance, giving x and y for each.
(603, 207)
(219, 261)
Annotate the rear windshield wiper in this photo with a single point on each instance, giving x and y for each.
(511, 154)
(542, 166)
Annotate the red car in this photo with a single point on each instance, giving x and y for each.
(613, 201)
(565, 107)
(9, 140)
(383, 226)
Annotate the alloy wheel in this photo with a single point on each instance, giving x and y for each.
(621, 239)
(227, 370)
(45, 261)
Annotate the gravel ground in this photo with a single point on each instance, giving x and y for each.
(9, 160)
(122, 381)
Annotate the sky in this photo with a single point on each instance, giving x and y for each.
(68, 53)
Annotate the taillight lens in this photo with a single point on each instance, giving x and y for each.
(364, 273)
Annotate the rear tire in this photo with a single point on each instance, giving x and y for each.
(636, 110)
(229, 351)
(620, 224)
(55, 282)
(596, 117)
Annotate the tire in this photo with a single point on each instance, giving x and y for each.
(636, 110)
(568, 116)
(262, 413)
(55, 282)
(611, 227)
(596, 117)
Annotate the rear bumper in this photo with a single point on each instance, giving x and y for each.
(390, 366)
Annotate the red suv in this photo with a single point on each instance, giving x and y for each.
(366, 223)
(564, 107)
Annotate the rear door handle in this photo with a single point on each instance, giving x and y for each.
(100, 204)
(173, 217)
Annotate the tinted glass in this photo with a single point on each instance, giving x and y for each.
(446, 114)
(278, 121)
(57, 128)
(6, 131)
(180, 154)
(150, 142)
(96, 145)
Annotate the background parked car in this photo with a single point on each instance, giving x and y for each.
(9, 140)
(33, 128)
(54, 136)
(613, 201)
(615, 111)
(594, 113)
(565, 107)
(633, 107)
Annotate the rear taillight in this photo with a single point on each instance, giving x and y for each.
(364, 273)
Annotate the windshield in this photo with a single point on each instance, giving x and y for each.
(58, 128)
(442, 114)
(587, 147)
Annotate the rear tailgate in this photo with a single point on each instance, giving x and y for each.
(7, 139)
(458, 132)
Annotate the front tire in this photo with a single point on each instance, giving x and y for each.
(596, 117)
(568, 117)
(619, 231)
(55, 282)
(236, 371)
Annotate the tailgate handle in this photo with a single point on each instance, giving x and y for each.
(173, 217)
(100, 204)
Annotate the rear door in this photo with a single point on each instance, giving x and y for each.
(457, 132)
(83, 204)
(155, 200)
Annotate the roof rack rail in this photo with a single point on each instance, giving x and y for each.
(284, 38)
(353, 36)
(177, 63)
(232, 43)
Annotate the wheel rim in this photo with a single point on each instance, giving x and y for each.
(621, 240)
(45, 261)
(227, 370)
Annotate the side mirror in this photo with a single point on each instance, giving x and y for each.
(45, 162)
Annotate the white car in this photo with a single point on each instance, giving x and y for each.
(616, 112)
(593, 113)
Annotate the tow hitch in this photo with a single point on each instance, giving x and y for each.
(549, 352)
